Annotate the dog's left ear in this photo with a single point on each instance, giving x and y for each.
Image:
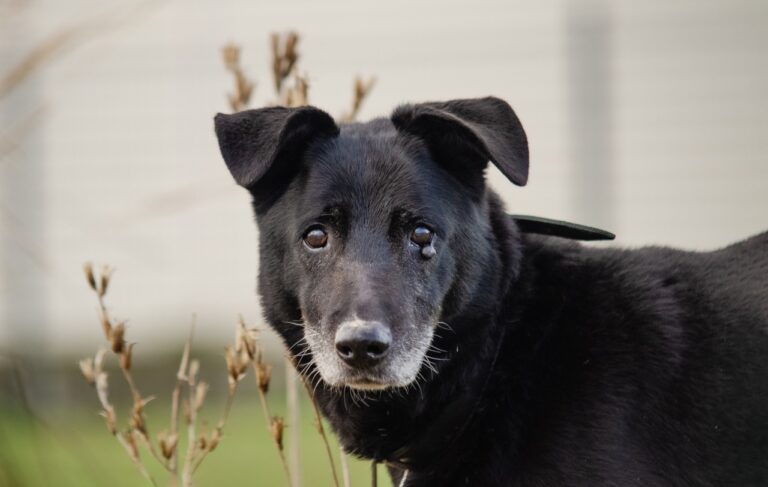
(256, 142)
(463, 135)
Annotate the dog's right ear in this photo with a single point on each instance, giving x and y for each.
(464, 135)
(262, 147)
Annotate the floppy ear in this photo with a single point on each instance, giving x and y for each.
(463, 135)
(261, 145)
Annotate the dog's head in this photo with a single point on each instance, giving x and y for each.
(372, 234)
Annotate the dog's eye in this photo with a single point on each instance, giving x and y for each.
(316, 238)
(421, 235)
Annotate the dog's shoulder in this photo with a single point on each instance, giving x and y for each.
(743, 264)
(739, 267)
(721, 288)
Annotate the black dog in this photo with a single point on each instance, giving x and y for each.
(446, 339)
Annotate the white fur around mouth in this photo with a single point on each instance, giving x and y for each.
(407, 355)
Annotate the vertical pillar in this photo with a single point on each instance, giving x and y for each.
(588, 34)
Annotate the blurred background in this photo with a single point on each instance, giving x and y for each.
(649, 119)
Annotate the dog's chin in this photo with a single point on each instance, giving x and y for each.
(367, 385)
(368, 381)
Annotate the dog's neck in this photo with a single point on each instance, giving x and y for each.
(430, 418)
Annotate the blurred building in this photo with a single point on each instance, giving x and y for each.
(648, 118)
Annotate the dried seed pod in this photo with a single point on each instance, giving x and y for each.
(133, 448)
(263, 376)
(138, 422)
(252, 340)
(106, 274)
(243, 86)
(168, 443)
(106, 326)
(110, 418)
(137, 419)
(284, 57)
(88, 269)
(231, 55)
(239, 339)
(88, 370)
(215, 439)
(235, 369)
(125, 356)
(200, 390)
(276, 427)
(117, 338)
(243, 361)
(246, 339)
(102, 389)
(276, 61)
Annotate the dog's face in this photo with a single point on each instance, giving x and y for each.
(371, 234)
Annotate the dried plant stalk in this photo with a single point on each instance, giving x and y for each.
(275, 424)
(97, 377)
(284, 57)
(374, 473)
(115, 335)
(291, 87)
(191, 416)
(244, 87)
(198, 446)
(344, 466)
(321, 430)
(294, 416)
(360, 92)
(245, 352)
(181, 378)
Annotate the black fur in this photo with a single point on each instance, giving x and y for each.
(552, 363)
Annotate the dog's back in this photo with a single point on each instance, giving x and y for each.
(663, 360)
(738, 275)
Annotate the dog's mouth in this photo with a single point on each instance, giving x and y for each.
(375, 379)
(367, 384)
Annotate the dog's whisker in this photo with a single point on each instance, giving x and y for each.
(303, 353)
(300, 324)
(317, 380)
(433, 348)
(445, 325)
(430, 366)
(440, 359)
(417, 382)
(299, 342)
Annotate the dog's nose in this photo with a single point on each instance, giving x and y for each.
(363, 344)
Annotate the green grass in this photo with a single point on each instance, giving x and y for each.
(74, 448)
